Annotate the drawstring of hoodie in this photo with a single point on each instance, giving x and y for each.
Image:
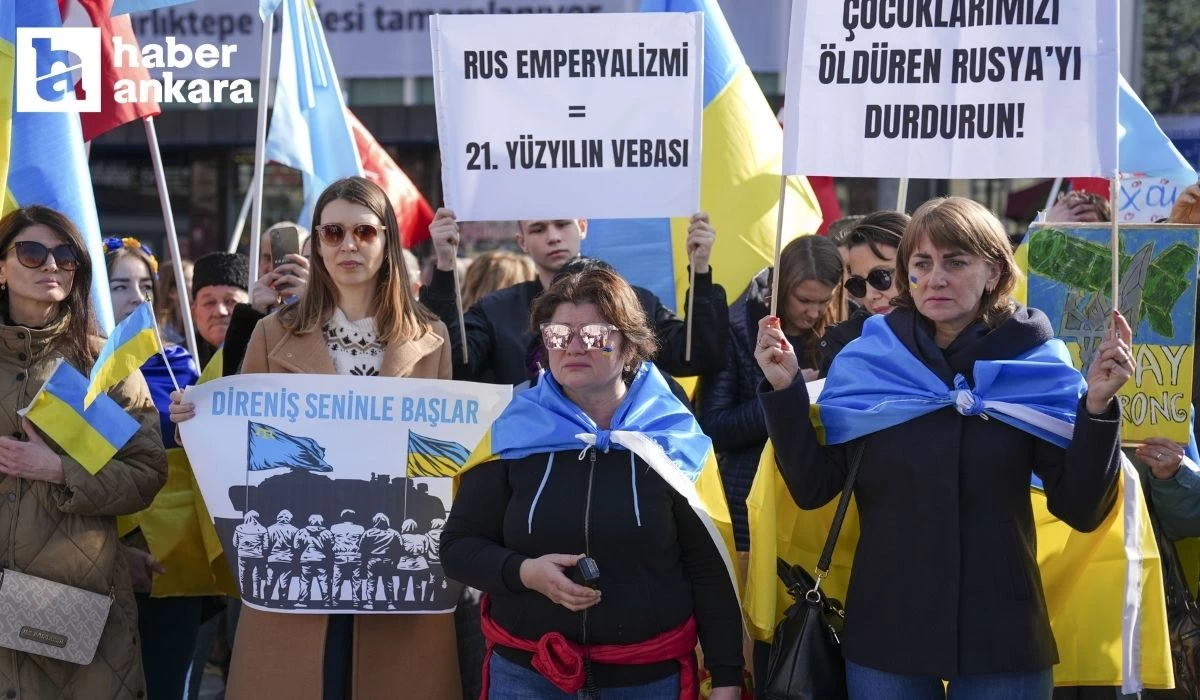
(637, 508)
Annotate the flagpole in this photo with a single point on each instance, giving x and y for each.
(902, 195)
(240, 224)
(778, 245)
(1115, 241)
(164, 199)
(691, 300)
(162, 348)
(1058, 183)
(260, 144)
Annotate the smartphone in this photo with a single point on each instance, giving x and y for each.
(285, 241)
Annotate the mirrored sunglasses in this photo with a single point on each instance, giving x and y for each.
(334, 234)
(594, 336)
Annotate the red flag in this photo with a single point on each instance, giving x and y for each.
(412, 210)
(112, 113)
(1096, 185)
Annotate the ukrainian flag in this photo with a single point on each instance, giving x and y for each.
(42, 159)
(1104, 589)
(432, 457)
(132, 342)
(90, 436)
(650, 422)
(742, 158)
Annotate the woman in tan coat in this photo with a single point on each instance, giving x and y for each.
(358, 316)
(57, 520)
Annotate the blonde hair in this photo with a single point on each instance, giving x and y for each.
(398, 316)
(961, 224)
(493, 271)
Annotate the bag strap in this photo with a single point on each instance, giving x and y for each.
(1172, 567)
(839, 516)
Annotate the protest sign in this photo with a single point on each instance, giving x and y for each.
(954, 89)
(1069, 278)
(1146, 199)
(565, 116)
(329, 493)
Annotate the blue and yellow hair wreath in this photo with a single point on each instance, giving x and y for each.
(113, 244)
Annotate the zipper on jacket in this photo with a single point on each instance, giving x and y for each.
(589, 682)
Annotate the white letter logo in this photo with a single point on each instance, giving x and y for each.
(50, 61)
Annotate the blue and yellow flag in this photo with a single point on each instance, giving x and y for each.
(432, 457)
(90, 436)
(1104, 589)
(131, 343)
(742, 158)
(271, 448)
(650, 422)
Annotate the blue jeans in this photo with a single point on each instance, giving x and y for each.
(868, 684)
(510, 681)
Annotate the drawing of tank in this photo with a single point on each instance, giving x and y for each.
(1087, 266)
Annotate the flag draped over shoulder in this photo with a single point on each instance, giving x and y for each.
(1104, 589)
(309, 128)
(650, 422)
(42, 160)
(742, 158)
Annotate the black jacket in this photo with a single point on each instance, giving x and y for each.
(658, 566)
(499, 341)
(729, 411)
(945, 579)
(839, 336)
(237, 338)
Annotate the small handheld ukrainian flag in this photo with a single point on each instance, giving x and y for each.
(132, 342)
(90, 435)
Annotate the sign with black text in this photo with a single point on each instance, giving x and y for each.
(561, 116)
(952, 89)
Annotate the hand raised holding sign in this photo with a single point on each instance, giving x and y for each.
(444, 232)
(700, 240)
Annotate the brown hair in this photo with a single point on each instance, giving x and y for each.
(75, 342)
(134, 251)
(493, 271)
(616, 302)
(170, 280)
(813, 258)
(958, 223)
(398, 316)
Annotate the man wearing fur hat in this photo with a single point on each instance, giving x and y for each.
(219, 283)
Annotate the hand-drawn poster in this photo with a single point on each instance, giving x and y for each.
(330, 493)
(1070, 279)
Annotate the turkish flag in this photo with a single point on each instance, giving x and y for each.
(112, 113)
(412, 210)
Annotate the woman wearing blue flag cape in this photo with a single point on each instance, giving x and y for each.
(593, 518)
(960, 395)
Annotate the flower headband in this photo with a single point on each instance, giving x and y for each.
(113, 244)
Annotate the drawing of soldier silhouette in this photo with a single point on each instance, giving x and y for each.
(437, 581)
(347, 557)
(280, 560)
(313, 545)
(378, 547)
(413, 566)
(250, 541)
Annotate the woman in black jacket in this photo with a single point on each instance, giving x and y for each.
(598, 458)
(811, 270)
(945, 584)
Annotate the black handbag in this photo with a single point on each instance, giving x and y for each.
(806, 655)
(1183, 619)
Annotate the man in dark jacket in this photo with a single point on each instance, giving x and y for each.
(497, 326)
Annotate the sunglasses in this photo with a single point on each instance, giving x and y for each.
(33, 255)
(594, 336)
(334, 234)
(880, 279)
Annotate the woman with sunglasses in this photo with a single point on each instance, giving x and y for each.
(869, 250)
(588, 463)
(357, 316)
(58, 521)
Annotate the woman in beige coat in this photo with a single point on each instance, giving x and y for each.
(358, 316)
(57, 520)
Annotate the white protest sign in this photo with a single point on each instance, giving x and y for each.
(568, 116)
(952, 89)
(329, 492)
(1146, 199)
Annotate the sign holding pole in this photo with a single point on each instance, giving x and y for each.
(952, 90)
(569, 116)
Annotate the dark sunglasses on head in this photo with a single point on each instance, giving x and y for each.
(33, 255)
(334, 234)
(594, 336)
(880, 279)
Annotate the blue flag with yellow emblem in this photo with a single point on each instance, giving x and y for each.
(271, 448)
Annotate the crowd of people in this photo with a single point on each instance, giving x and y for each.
(590, 569)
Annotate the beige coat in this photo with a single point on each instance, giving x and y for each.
(68, 533)
(279, 655)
